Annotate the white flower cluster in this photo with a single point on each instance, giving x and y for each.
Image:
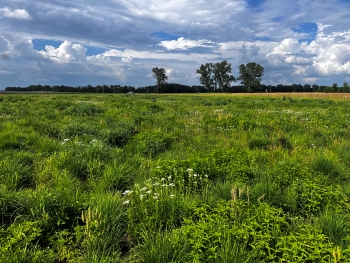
(153, 189)
(66, 140)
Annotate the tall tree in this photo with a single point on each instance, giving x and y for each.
(160, 76)
(222, 75)
(250, 76)
(216, 76)
(206, 75)
(346, 87)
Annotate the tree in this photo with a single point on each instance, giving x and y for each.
(250, 76)
(346, 87)
(222, 76)
(216, 76)
(335, 87)
(206, 79)
(307, 88)
(160, 76)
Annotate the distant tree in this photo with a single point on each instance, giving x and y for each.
(250, 76)
(222, 75)
(216, 76)
(160, 76)
(206, 75)
(328, 89)
(346, 87)
(335, 87)
(315, 87)
(307, 88)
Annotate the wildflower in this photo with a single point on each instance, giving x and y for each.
(66, 140)
(126, 202)
(195, 175)
(155, 184)
(93, 141)
(158, 167)
(126, 192)
(172, 184)
(189, 170)
(163, 179)
(206, 176)
(163, 185)
(148, 192)
(155, 197)
(141, 196)
(171, 196)
(143, 189)
(169, 178)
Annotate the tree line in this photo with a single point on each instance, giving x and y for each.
(213, 77)
(180, 88)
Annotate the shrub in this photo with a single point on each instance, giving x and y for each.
(335, 226)
(119, 135)
(327, 167)
(84, 109)
(150, 144)
(259, 143)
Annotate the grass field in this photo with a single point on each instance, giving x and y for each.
(175, 178)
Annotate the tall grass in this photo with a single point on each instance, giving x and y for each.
(173, 178)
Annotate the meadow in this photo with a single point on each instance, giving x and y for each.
(174, 178)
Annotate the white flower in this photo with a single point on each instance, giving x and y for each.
(206, 176)
(143, 189)
(162, 179)
(195, 175)
(93, 141)
(148, 192)
(126, 202)
(155, 184)
(66, 140)
(172, 184)
(158, 167)
(155, 197)
(164, 185)
(171, 196)
(141, 196)
(189, 170)
(127, 192)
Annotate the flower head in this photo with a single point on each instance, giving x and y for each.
(127, 192)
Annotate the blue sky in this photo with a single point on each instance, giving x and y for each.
(119, 41)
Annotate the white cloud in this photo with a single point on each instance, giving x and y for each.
(185, 44)
(16, 13)
(298, 60)
(126, 59)
(171, 73)
(309, 80)
(289, 46)
(66, 52)
(136, 54)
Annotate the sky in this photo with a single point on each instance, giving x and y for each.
(82, 42)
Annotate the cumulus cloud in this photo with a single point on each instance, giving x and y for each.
(16, 13)
(185, 44)
(172, 74)
(298, 60)
(289, 46)
(66, 52)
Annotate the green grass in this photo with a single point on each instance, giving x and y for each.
(174, 178)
